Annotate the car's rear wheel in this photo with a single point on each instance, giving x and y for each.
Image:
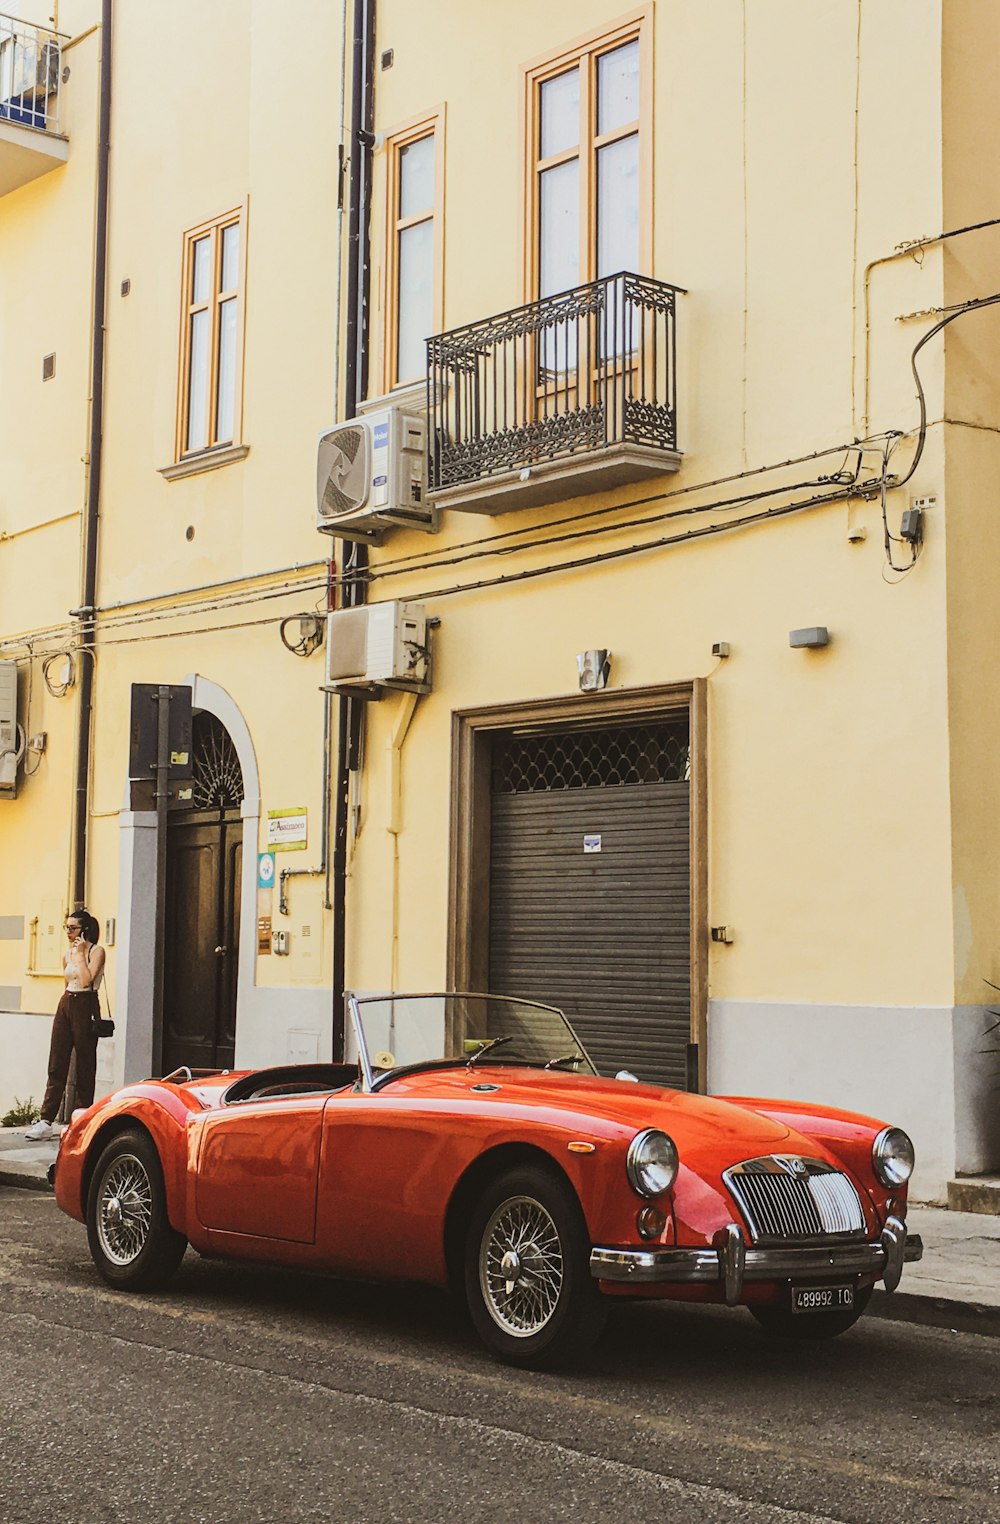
(131, 1240)
(527, 1273)
(811, 1325)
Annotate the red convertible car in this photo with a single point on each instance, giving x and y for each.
(473, 1144)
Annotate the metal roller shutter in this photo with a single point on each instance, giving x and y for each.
(604, 934)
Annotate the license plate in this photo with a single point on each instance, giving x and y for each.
(822, 1298)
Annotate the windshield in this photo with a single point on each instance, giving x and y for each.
(395, 1031)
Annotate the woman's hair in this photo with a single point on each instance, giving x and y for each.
(90, 928)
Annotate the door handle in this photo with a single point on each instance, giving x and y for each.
(220, 951)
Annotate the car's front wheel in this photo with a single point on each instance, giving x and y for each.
(527, 1272)
(811, 1325)
(131, 1240)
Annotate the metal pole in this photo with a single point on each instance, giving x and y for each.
(85, 613)
(162, 789)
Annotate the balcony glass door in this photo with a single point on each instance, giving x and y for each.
(587, 216)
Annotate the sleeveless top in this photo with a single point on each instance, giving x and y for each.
(73, 986)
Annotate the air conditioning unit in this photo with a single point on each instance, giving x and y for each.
(11, 734)
(378, 645)
(371, 475)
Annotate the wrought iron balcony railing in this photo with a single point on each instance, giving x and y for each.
(29, 74)
(561, 396)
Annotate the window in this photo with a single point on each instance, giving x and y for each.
(589, 146)
(211, 374)
(413, 303)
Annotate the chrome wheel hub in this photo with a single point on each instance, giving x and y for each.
(521, 1266)
(125, 1210)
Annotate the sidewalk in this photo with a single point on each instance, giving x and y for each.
(956, 1284)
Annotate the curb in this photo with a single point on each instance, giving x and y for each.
(936, 1312)
(23, 1180)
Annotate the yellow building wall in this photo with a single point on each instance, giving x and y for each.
(46, 274)
(972, 456)
(794, 150)
(247, 126)
(777, 122)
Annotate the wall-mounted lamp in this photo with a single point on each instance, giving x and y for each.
(594, 668)
(810, 638)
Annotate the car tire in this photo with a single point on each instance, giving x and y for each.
(527, 1273)
(811, 1325)
(131, 1240)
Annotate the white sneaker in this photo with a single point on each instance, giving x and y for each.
(39, 1130)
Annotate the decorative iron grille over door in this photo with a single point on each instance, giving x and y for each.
(590, 887)
(218, 777)
(204, 873)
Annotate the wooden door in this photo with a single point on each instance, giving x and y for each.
(204, 861)
(202, 931)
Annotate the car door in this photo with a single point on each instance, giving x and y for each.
(258, 1168)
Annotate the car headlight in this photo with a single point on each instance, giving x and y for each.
(651, 1163)
(892, 1157)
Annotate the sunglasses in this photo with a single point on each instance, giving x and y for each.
(72, 926)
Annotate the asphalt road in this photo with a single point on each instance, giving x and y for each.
(247, 1395)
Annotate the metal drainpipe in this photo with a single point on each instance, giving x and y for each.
(86, 611)
(349, 711)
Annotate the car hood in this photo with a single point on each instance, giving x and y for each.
(697, 1123)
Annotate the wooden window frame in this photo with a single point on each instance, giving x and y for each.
(584, 52)
(423, 126)
(212, 229)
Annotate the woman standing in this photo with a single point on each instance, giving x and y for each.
(73, 1027)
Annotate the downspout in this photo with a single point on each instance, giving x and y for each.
(86, 611)
(353, 557)
(394, 818)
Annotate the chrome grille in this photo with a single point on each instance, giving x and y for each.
(787, 1197)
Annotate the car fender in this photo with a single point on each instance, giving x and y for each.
(161, 1113)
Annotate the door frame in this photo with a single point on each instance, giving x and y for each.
(469, 851)
(137, 894)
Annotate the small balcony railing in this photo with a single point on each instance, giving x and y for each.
(29, 74)
(560, 396)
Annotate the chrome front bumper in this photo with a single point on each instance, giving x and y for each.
(730, 1262)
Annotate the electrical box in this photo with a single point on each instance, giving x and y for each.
(371, 475)
(11, 734)
(911, 526)
(378, 645)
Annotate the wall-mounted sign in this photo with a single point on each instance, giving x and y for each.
(591, 843)
(265, 870)
(287, 830)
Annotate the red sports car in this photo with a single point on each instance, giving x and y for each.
(472, 1144)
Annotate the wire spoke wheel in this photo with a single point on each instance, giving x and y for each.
(132, 1241)
(527, 1274)
(521, 1266)
(125, 1210)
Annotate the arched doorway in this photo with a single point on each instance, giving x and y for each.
(204, 875)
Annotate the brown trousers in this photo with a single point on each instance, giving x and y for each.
(72, 1029)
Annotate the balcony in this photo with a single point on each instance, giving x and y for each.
(30, 67)
(568, 395)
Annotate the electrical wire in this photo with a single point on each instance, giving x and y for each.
(971, 306)
(656, 497)
(56, 689)
(638, 549)
(895, 482)
(599, 529)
